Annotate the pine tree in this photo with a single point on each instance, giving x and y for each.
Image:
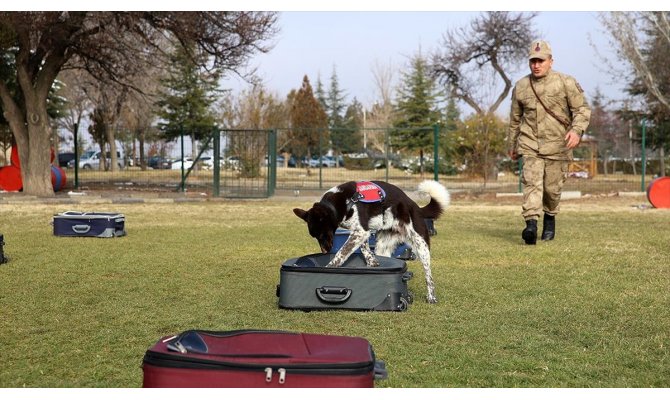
(339, 133)
(185, 104)
(309, 122)
(321, 94)
(416, 108)
(350, 139)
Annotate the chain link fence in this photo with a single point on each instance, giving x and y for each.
(256, 163)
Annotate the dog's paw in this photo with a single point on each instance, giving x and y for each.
(374, 264)
(431, 299)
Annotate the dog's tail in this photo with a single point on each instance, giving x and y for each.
(439, 198)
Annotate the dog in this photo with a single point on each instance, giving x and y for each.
(364, 206)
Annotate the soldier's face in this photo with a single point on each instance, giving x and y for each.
(540, 67)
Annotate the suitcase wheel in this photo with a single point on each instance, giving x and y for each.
(404, 304)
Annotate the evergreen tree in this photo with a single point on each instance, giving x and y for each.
(339, 133)
(321, 94)
(350, 138)
(309, 122)
(186, 102)
(335, 102)
(449, 134)
(416, 108)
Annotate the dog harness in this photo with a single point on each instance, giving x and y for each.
(366, 192)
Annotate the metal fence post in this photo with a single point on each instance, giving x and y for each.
(320, 159)
(387, 148)
(76, 156)
(272, 162)
(183, 183)
(644, 153)
(217, 163)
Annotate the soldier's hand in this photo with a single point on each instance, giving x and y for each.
(571, 139)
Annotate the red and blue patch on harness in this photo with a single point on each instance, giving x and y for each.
(368, 192)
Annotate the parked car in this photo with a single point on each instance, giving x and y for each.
(91, 160)
(64, 159)
(158, 162)
(176, 164)
(232, 162)
(325, 161)
(280, 161)
(207, 162)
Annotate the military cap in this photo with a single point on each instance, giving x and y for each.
(539, 49)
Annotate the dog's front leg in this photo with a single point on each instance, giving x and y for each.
(354, 241)
(370, 259)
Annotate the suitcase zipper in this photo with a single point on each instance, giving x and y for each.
(282, 375)
(184, 361)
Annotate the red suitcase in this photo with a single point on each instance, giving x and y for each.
(260, 358)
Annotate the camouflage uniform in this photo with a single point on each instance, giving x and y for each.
(539, 137)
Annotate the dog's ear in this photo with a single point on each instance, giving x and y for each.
(302, 214)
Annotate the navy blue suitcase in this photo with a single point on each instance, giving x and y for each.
(89, 224)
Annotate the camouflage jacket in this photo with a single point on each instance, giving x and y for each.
(534, 131)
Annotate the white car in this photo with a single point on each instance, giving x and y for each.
(176, 164)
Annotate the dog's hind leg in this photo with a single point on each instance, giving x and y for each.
(355, 240)
(420, 247)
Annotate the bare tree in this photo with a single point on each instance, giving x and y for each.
(629, 32)
(380, 116)
(642, 41)
(492, 45)
(78, 101)
(109, 45)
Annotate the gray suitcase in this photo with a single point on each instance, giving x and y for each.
(306, 284)
(89, 224)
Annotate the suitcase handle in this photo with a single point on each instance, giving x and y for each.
(81, 228)
(380, 371)
(333, 294)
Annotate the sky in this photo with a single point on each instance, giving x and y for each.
(351, 36)
(313, 43)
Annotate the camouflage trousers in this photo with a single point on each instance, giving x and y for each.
(542, 184)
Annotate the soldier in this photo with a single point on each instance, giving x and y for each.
(548, 117)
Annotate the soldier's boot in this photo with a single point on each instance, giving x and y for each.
(548, 227)
(529, 234)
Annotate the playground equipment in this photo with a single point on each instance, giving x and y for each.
(10, 176)
(658, 192)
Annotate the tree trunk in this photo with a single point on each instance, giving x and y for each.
(34, 148)
(143, 160)
(111, 139)
(661, 155)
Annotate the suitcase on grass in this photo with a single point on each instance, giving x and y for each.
(260, 358)
(306, 284)
(91, 224)
(403, 251)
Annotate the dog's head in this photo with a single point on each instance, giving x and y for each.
(321, 222)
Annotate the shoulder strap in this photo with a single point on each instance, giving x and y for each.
(559, 119)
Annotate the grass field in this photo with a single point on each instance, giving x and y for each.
(589, 309)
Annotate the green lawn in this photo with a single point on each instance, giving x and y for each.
(590, 309)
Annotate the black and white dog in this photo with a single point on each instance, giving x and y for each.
(364, 206)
